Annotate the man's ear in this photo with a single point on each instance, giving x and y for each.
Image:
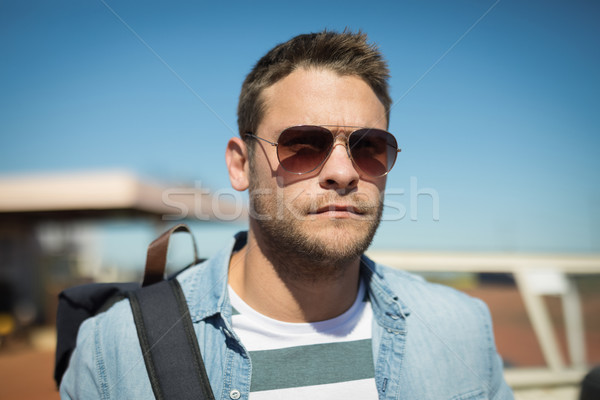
(236, 157)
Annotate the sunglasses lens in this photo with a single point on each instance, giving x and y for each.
(373, 151)
(301, 149)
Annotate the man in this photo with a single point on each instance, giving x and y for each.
(292, 309)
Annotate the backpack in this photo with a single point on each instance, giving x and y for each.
(162, 319)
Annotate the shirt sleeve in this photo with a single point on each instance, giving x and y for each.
(85, 377)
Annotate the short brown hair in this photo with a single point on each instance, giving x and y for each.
(346, 53)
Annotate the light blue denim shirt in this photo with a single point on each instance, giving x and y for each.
(429, 341)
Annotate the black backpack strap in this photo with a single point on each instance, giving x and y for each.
(169, 343)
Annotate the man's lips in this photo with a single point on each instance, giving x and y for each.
(340, 209)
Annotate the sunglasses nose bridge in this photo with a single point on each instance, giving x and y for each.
(341, 140)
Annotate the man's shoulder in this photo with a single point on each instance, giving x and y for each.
(119, 315)
(418, 293)
(413, 281)
(444, 326)
(115, 322)
(397, 276)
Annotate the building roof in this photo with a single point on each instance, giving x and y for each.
(106, 193)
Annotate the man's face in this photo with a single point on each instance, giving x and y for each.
(330, 214)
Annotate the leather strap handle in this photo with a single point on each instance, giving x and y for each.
(156, 258)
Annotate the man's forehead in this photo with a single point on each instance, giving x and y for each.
(321, 96)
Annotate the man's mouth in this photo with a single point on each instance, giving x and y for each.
(337, 211)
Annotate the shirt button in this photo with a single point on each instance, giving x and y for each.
(234, 394)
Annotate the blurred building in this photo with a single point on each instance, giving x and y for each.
(48, 238)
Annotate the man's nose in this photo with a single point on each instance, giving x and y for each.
(338, 172)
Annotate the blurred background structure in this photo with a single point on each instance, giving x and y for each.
(114, 118)
(50, 226)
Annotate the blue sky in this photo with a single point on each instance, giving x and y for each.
(495, 104)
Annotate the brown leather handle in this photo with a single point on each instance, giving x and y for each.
(157, 255)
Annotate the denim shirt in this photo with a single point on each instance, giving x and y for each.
(429, 341)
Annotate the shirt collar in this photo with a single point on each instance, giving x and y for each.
(386, 303)
(205, 286)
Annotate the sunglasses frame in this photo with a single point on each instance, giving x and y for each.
(346, 145)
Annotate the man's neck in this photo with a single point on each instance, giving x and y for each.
(255, 277)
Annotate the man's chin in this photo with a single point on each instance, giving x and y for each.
(355, 227)
(339, 239)
(315, 250)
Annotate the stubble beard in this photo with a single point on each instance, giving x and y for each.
(304, 249)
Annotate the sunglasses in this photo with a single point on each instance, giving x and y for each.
(304, 148)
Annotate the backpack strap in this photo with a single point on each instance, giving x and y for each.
(156, 258)
(169, 344)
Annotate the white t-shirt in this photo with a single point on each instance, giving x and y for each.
(320, 360)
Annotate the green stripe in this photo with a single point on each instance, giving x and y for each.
(234, 311)
(311, 365)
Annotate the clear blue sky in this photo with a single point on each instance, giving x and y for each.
(497, 104)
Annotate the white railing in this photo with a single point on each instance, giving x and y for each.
(535, 276)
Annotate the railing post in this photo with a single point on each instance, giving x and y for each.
(538, 315)
(574, 325)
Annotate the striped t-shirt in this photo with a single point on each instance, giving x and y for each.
(320, 360)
